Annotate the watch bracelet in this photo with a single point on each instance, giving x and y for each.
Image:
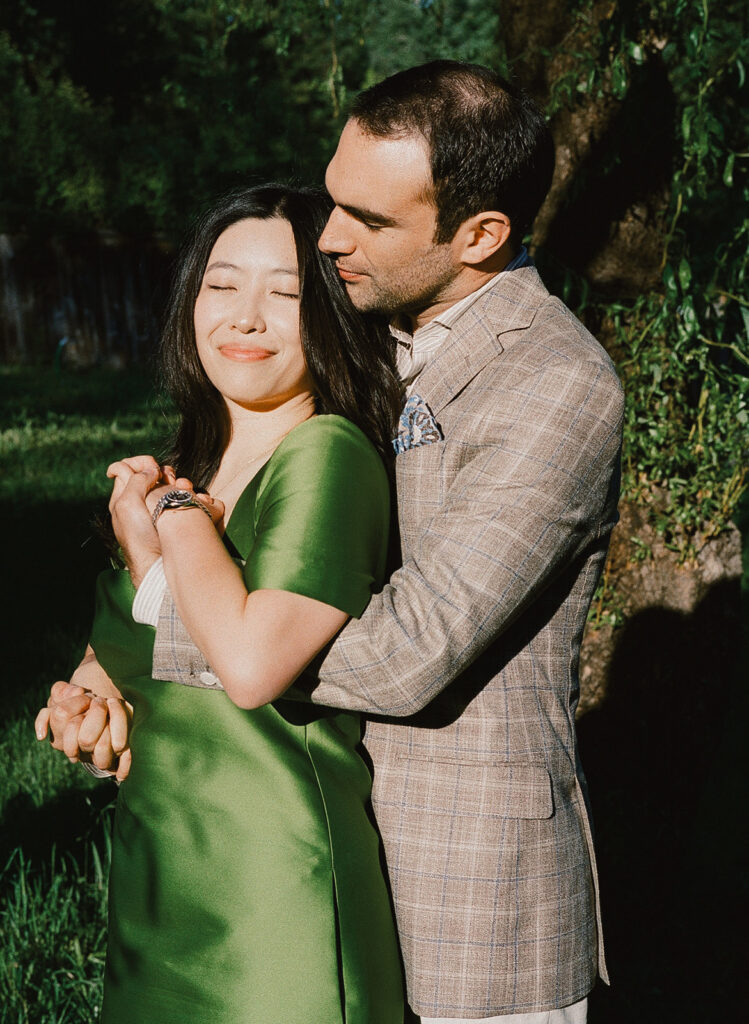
(163, 506)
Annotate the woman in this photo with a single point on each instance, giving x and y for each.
(246, 883)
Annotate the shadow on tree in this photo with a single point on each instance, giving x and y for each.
(608, 224)
(665, 760)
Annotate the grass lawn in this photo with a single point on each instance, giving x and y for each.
(59, 430)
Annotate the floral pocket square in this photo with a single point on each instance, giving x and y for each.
(416, 426)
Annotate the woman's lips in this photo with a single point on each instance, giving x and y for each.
(242, 354)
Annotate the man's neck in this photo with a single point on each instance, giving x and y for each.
(468, 280)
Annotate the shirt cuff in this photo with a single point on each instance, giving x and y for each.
(150, 594)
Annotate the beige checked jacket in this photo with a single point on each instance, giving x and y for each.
(466, 664)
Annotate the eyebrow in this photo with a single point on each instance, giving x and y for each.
(221, 265)
(361, 214)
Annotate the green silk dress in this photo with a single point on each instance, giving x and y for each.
(246, 883)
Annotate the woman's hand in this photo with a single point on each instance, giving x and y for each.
(134, 479)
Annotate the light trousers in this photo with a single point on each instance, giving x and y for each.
(575, 1014)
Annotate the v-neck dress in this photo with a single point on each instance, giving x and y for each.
(247, 884)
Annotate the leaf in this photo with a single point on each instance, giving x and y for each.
(742, 73)
(689, 316)
(728, 171)
(686, 122)
(619, 79)
(685, 274)
(745, 318)
(669, 279)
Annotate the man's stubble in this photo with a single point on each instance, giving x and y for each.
(409, 288)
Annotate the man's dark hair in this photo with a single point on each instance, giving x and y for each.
(489, 145)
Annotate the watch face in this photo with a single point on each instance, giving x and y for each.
(180, 497)
(175, 499)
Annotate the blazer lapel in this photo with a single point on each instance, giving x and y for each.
(476, 338)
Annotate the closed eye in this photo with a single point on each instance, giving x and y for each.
(221, 287)
(287, 295)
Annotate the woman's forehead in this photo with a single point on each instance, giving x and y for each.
(255, 241)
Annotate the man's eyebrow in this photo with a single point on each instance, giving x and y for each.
(367, 215)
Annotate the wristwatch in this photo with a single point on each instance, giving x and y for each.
(177, 500)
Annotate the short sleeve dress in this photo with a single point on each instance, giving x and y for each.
(247, 885)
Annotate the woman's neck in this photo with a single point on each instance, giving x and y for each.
(254, 437)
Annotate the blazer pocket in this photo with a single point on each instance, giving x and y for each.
(499, 788)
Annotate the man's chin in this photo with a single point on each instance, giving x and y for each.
(366, 303)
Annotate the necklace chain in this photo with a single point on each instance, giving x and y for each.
(255, 458)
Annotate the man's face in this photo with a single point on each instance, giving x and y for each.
(382, 229)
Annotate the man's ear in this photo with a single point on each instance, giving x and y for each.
(481, 237)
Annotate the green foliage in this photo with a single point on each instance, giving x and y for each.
(133, 113)
(402, 33)
(686, 347)
(688, 371)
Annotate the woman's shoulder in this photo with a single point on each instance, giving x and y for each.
(325, 452)
(327, 433)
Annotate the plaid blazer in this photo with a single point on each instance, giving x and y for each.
(466, 664)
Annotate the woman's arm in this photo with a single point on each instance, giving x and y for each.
(257, 643)
(313, 553)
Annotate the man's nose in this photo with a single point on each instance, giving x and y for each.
(336, 238)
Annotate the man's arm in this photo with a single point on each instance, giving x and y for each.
(519, 512)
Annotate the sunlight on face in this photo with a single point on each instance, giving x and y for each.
(247, 315)
(383, 227)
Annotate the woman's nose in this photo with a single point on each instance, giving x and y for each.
(248, 319)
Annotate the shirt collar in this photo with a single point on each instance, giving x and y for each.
(447, 318)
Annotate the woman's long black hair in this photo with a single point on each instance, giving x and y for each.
(351, 358)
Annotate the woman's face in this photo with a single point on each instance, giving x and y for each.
(247, 315)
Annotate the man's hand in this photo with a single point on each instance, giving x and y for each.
(134, 479)
(87, 728)
(66, 703)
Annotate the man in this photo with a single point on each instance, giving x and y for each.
(506, 474)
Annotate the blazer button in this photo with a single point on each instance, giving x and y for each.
(209, 679)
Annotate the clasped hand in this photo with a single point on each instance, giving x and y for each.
(139, 483)
(88, 727)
